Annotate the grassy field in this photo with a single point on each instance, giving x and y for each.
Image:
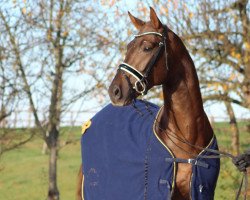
(23, 171)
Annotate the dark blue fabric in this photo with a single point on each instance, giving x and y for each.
(204, 180)
(123, 159)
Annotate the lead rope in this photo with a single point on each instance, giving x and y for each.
(244, 177)
(221, 153)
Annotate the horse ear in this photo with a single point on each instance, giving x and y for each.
(137, 22)
(154, 19)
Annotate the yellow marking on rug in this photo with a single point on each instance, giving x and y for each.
(85, 126)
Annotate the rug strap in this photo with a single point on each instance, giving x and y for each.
(190, 161)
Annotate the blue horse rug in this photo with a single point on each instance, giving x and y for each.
(124, 159)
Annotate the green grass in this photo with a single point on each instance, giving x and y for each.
(23, 171)
(229, 178)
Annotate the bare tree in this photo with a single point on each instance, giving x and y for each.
(10, 94)
(50, 44)
(234, 128)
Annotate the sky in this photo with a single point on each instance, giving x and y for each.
(217, 111)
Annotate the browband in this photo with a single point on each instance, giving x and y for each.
(148, 33)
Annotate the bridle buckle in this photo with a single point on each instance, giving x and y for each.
(140, 87)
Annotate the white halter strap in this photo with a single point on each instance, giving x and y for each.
(124, 69)
(140, 85)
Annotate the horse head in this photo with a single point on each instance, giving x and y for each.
(145, 64)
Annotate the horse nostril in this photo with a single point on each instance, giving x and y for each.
(117, 92)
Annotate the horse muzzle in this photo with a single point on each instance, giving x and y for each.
(120, 96)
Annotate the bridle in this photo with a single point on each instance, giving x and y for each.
(141, 84)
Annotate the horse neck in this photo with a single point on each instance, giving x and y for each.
(183, 112)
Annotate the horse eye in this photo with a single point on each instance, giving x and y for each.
(147, 49)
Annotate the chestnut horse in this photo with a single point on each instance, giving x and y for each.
(157, 56)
